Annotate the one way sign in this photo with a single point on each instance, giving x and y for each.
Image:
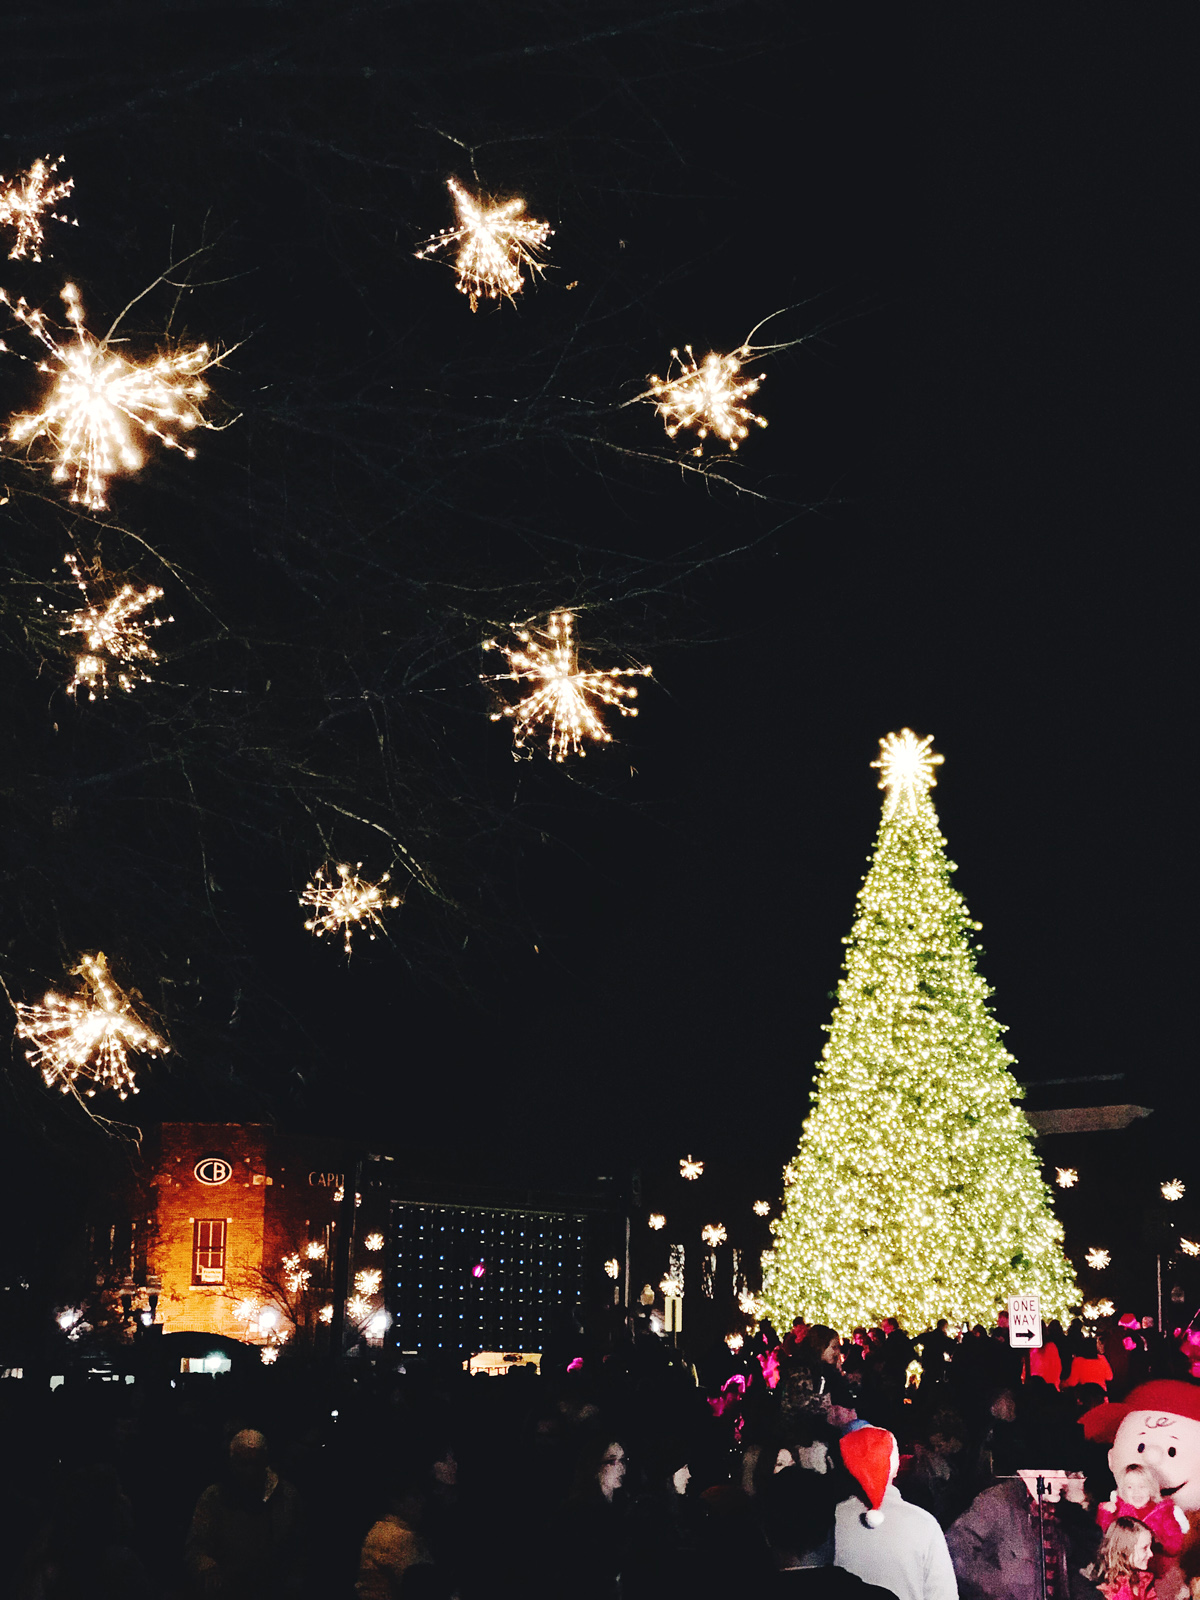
(1024, 1322)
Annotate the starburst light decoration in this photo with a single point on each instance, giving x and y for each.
(906, 766)
(114, 634)
(762, 1208)
(1095, 1309)
(1066, 1177)
(359, 1307)
(314, 1250)
(296, 1277)
(325, 1314)
(348, 904)
(102, 402)
(750, 1305)
(613, 1267)
(495, 242)
(246, 1310)
(735, 1341)
(706, 398)
(656, 1220)
(1190, 1247)
(373, 1241)
(561, 701)
(671, 1288)
(688, 1168)
(368, 1281)
(26, 202)
(1098, 1259)
(269, 1355)
(713, 1234)
(1173, 1189)
(87, 1037)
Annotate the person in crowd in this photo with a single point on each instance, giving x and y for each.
(1137, 1498)
(86, 1549)
(1002, 1541)
(588, 1542)
(246, 1534)
(933, 1476)
(394, 1543)
(936, 1349)
(1122, 1569)
(880, 1537)
(798, 1516)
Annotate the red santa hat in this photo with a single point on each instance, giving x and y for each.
(1169, 1396)
(870, 1455)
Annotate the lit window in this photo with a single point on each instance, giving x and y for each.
(208, 1251)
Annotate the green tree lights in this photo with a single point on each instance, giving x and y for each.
(915, 1191)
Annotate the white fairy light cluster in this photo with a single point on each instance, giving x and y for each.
(346, 905)
(85, 1039)
(496, 246)
(26, 205)
(114, 635)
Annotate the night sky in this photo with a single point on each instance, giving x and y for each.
(966, 517)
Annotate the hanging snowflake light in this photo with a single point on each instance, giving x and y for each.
(114, 634)
(1095, 1309)
(762, 1208)
(689, 1168)
(25, 204)
(1098, 1259)
(713, 1234)
(102, 403)
(1190, 1247)
(325, 1314)
(613, 1267)
(350, 903)
(269, 1355)
(368, 1281)
(735, 1341)
(1173, 1189)
(656, 1220)
(1066, 1177)
(494, 243)
(86, 1037)
(671, 1288)
(561, 702)
(296, 1277)
(373, 1241)
(359, 1307)
(314, 1250)
(706, 398)
(750, 1305)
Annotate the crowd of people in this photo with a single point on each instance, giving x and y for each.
(921, 1468)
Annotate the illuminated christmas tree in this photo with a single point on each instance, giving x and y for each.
(915, 1191)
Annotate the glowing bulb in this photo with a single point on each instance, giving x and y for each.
(1066, 1177)
(762, 1208)
(613, 1267)
(906, 766)
(368, 1281)
(689, 1168)
(101, 402)
(246, 1310)
(373, 1241)
(87, 1036)
(379, 1325)
(25, 204)
(706, 398)
(1173, 1189)
(268, 1318)
(714, 1234)
(269, 1355)
(1095, 1309)
(314, 1250)
(68, 1318)
(656, 1220)
(734, 1341)
(562, 700)
(1098, 1259)
(350, 903)
(494, 243)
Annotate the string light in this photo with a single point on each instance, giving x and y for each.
(113, 633)
(690, 1169)
(713, 1234)
(25, 204)
(494, 243)
(314, 1250)
(373, 1241)
(561, 700)
(101, 401)
(906, 766)
(368, 1280)
(1093, 1310)
(1173, 1189)
(347, 904)
(1190, 1247)
(87, 1036)
(707, 397)
(1066, 1177)
(656, 1220)
(762, 1208)
(1098, 1259)
(915, 1190)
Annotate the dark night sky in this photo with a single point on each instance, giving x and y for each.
(977, 462)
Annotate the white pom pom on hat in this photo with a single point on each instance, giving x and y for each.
(870, 1457)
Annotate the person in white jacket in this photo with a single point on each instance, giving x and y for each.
(879, 1536)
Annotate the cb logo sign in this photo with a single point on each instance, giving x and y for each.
(213, 1170)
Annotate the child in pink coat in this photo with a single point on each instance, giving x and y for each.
(1137, 1496)
(1122, 1569)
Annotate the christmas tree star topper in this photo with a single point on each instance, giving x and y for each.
(906, 766)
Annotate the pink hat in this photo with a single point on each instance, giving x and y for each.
(869, 1454)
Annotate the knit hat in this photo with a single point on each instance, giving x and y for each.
(870, 1455)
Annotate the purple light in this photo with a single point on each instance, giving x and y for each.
(478, 1270)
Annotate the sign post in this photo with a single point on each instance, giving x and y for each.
(1025, 1322)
